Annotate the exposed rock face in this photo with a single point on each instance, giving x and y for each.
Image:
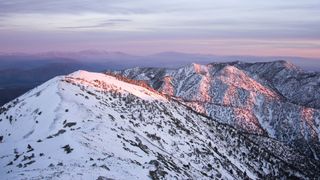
(276, 99)
(96, 126)
(293, 83)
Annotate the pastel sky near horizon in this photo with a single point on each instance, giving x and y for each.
(224, 27)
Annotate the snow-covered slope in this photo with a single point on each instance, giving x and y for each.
(293, 83)
(275, 99)
(96, 126)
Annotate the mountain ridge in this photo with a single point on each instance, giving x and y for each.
(98, 126)
(273, 98)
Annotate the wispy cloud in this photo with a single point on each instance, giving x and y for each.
(107, 23)
(70, 6)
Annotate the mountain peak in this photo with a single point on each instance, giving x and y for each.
(199, 68)
(101, 126)
(283, 63)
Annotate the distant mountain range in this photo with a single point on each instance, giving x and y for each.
(120, 60)
(106, 126)
(20, 72)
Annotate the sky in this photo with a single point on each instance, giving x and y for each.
(221, 27)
